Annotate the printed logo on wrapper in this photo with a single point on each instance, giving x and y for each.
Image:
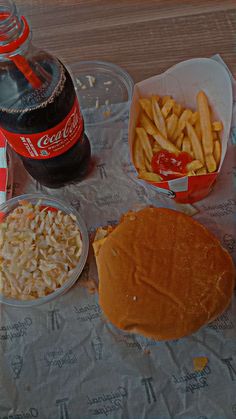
(107, 403)
(183, 81)
(110, 198)
(102, 170)
(50, 143)
(221, 209)
(16, 366)
(59, 358)
(15, 330)
(222, 322)
(54, 319)
(149, 390)
(229, 363)
(230, 242)
(97, 347)
(192, 381)
(32, 412)
(63, 412)
(103, 142)
(128, 341)
(88, 312)
(76, 203)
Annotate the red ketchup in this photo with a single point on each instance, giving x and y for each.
(169, 165)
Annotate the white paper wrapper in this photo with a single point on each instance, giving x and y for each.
(183, 82)
(63, 360)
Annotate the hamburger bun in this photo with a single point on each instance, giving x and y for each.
(162, 274)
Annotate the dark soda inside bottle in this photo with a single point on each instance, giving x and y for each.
(40, 115)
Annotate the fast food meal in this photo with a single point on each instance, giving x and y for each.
(39, 250)
(173, 142)
(162, 274)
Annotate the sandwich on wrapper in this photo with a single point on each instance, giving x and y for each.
(162, 274)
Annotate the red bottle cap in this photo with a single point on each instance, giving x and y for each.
(14, 45)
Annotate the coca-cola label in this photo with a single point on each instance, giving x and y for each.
(50, 143)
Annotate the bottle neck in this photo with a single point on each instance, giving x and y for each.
(14, 41)
(15, 35)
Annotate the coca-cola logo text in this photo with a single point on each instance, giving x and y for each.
(52, 141)
(67, 131)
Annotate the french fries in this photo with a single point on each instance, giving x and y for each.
(194, 165)
(145, 143)
(147, 124)
(165, 144)
(217, 151)
(164, 99)
(207, 137)
(194, 118)
(210, 163)
(217, 126)
(201, 171)
(156, 148)
(177, 109)
(152, 177)
(164, 124)
(148, 165)
(214, 135)
(167, 107)
(196, 144)
(198, 130)
(158, 117)
(171, 124)
(179, 141)
(138, 155)
(147, 107)
(205, 121)
(186, 145)
(186, 115)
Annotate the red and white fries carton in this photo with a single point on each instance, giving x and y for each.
(183, 81)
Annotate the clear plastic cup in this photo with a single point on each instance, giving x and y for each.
(109, 96)
(47, 200)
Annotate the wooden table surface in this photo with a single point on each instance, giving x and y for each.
(143, 36)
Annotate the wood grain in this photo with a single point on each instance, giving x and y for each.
(144, 37)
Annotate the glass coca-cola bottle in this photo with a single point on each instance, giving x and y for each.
(39, 110)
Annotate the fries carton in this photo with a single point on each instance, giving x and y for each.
(183, 82)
